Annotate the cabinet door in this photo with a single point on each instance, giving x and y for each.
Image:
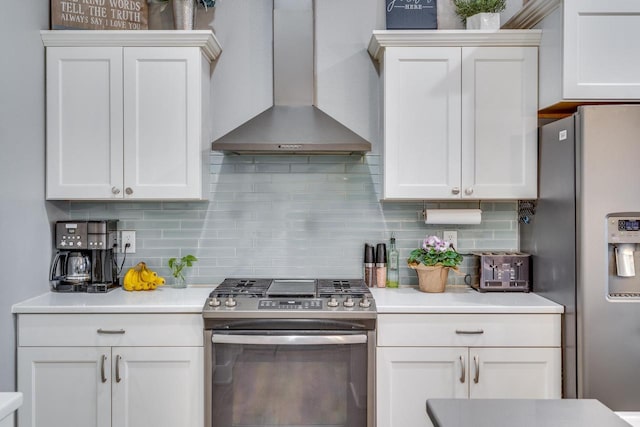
(162, 122)
(600, 50)
(408, 376)
(499, 122)
(65, 386)
(84, 122)
(422, 123)
(517, 373)
(158, 387)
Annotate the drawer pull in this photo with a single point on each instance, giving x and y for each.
(118, 378)
(476, 332)
(111, 331)
(462, 372)
(102, 373)
(476, 361)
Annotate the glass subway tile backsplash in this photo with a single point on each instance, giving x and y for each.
(291, 216)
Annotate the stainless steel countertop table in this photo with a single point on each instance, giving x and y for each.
(521, 413)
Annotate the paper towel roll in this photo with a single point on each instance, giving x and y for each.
(453, 216)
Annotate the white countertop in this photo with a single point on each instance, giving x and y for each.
(460, 299)
(456, 299)
(9, 402)
(161, 300)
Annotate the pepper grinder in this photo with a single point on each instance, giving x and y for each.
(381, 265)
(369, 266)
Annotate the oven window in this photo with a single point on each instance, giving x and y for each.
(289, 385)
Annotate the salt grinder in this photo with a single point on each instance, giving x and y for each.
(381, 265)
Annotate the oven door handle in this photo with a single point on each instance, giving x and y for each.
(288, 339)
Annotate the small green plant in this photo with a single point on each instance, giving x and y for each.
(467, 8)
(177, 266)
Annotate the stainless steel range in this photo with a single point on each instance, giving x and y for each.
(290, 352)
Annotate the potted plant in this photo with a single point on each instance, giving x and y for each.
(480, 14)
(177, 267)
(432, 262)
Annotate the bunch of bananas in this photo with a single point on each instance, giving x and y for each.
(140, 278)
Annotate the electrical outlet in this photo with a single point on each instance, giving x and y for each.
(128, 237)
(451, 237)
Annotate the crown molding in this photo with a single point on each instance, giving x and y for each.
(204, 39)
(381, 39)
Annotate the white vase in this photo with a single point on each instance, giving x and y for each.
(484, 21)
(184, 14)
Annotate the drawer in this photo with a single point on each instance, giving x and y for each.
(451, 330)
(79, 330)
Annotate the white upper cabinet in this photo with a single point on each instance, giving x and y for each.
(422, 111)
(589, 52)
(460, 113)
(499, 122)
(127, 114)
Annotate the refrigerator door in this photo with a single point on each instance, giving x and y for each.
(608, 330)
(551, 235)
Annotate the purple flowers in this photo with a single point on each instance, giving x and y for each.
(433, 242)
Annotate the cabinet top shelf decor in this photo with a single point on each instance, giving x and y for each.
(381, 39)
(204, 39)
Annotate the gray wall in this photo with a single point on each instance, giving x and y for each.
(275, 216)
(281, 216)
(24, 215)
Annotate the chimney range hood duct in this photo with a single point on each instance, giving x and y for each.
(293, 124)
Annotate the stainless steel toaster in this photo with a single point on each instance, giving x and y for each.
(503, 272)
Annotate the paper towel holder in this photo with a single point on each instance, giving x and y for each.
(463, 211)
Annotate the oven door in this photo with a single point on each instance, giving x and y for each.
(289, 378)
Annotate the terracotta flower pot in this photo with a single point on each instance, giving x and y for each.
(431, 278)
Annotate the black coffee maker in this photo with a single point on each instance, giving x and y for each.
(86, 260)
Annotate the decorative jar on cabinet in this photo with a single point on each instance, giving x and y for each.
(127, 114)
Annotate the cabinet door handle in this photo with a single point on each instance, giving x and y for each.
(468, 191)
(103, 376)
(474, 332)
(118, 378)
(115, 190)
(463, 374)
(455, 190)
(129, 191)
(111, 331)
(476, 361)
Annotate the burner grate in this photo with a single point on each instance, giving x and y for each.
(245, 287)
(353, 287)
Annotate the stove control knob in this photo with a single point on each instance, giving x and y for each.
(333, 302)
(230, 302)
(349, 302)
(365, 302)
(214, 302)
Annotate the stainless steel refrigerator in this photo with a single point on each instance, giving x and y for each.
(583, 238)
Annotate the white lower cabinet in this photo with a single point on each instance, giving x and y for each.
(422, 357)
(110, 385)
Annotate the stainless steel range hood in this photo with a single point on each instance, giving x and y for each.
(293, 124)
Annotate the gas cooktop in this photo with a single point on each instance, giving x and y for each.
(237, 297)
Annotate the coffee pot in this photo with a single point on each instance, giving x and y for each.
(72, 268)
(86, 260)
